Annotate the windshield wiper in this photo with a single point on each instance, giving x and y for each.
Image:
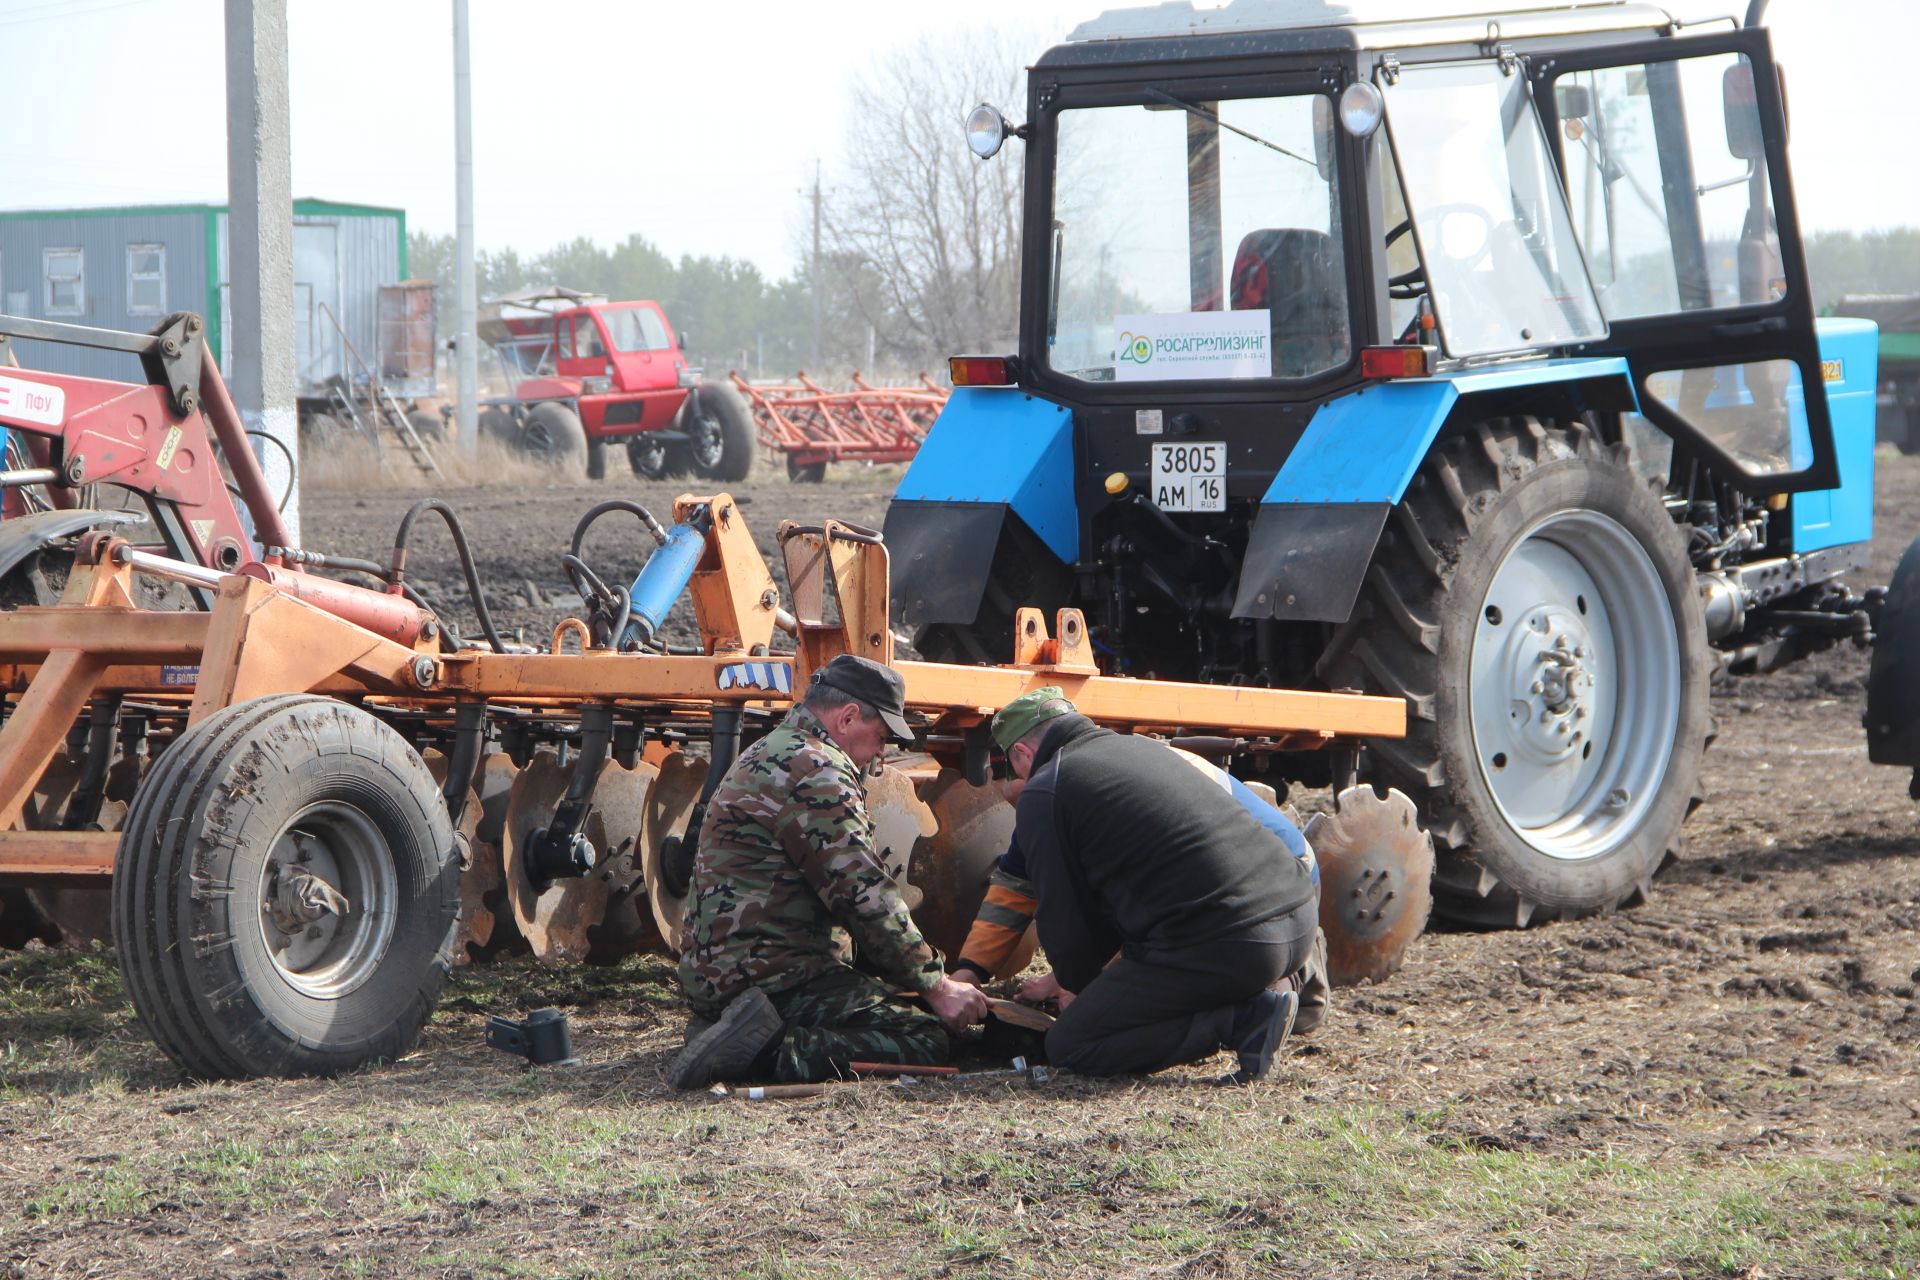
(1204, 114)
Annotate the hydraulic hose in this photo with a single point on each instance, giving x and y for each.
(616, 504)
(397, 573)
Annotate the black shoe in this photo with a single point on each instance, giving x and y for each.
(727, 1048)
(1260, 1028)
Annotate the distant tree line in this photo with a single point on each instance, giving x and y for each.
(1855, 262)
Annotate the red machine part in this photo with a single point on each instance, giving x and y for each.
(813, 425)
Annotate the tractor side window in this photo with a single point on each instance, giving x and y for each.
(1197, 240)
(586, 339)
(1668, 189)
(565, 331)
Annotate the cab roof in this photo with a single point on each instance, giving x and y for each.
(1369, 24)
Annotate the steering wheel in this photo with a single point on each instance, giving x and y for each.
(1408, 285)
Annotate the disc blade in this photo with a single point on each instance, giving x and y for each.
(1376, 882)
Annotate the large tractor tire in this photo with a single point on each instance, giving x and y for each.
(720, 435)
(553, 433)
(286, 893)
(1893, 680)
(1532, 601)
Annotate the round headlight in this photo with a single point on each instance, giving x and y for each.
(986, 130)
(1361, 107)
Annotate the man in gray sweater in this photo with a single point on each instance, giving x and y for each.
(1134, 857)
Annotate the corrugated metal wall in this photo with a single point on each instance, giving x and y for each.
(102, 239)
(340, 262)
(341, 258)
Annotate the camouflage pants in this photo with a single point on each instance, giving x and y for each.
(841, 1017)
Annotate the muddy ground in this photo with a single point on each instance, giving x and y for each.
(1721, 1081)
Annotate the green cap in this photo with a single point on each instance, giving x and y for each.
(1018, 718)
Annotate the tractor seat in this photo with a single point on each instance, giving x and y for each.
(1297, 275)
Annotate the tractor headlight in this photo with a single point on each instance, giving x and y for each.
(986, 130)
(1361, 108)
(596, 386)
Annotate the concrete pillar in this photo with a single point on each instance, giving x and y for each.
(259, 354)
(466, 351)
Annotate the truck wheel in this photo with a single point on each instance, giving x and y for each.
(286, 892)
(720, 433)
(1533, 602)
(653, 458)
(553, 433)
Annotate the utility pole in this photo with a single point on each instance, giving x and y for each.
(466, 351)
(259, 348)
(813, 359)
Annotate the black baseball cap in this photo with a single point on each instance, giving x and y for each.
(874, 683)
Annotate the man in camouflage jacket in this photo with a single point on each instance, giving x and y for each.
(784, 872)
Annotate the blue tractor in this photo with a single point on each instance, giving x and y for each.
(1469, 360)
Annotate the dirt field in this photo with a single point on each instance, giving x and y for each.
(1720, 1082)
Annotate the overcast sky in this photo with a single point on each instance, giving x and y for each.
(695, 125)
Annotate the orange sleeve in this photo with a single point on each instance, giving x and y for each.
(1002, 922)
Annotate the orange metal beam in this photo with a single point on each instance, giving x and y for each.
(1240, 708)
(110, 635)
(57, 855)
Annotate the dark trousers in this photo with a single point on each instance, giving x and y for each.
(842, 1016)
(1154, 1009)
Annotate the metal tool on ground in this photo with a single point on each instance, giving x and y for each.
(543, 1038)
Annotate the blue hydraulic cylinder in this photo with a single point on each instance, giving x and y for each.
(662, 579)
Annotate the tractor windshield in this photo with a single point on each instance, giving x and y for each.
(635, 329)
(1197, 240)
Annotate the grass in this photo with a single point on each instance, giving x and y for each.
(458, 1162)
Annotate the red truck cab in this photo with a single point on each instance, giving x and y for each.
(619, 371)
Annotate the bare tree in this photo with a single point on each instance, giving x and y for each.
(923, 237)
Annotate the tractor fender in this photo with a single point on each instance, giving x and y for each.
(21, 536)
(993, 454)
(1314, 534)
(1893, 679)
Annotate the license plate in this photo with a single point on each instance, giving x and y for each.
(1190, 475)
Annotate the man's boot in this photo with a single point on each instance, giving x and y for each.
(1316, 993)
(727, 1048)
(1259, 1032)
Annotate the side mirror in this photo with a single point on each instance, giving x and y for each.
(683, 340)
(1745, 139)
(1573, 101)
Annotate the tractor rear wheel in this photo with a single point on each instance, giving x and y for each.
(298, 928)
(1532, 601)
(553, 433)
(720, 436)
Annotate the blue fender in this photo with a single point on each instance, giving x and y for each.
(993, 452)
(1319, 520)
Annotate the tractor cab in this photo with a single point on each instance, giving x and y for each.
(1235, 206)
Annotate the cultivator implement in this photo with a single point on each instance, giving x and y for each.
(813, 426)
(295, 807)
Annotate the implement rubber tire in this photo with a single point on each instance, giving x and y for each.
(596, 459)
(653, 460)
(553, 433)
(720, 435)
(193, 874)
(1539, 517)
(500, 426)
(807, 472)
